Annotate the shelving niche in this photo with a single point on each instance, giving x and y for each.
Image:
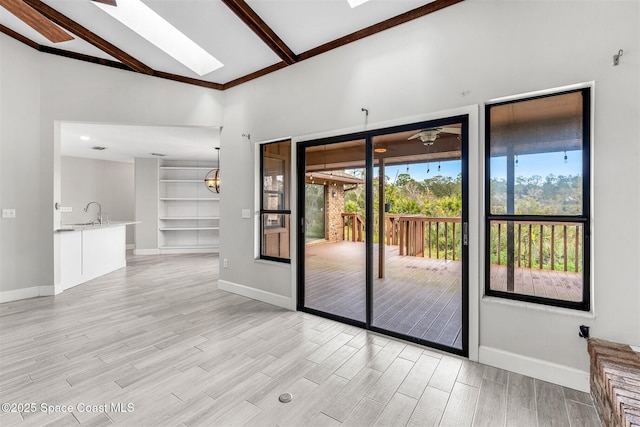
(188, 214)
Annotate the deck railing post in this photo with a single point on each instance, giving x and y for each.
(541, 237)
(553, 247)
(446, 241)
(438, 240)
(499, 241)
(453, 241)
(577, 259)
(564, 232)
(353, 229)
(530, 238)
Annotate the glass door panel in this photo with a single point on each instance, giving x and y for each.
(334, 238)
(418, 270)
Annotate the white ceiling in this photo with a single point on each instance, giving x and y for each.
(123, 143)
(301, 24)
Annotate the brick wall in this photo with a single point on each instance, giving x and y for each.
(615, 382)
(334, 196)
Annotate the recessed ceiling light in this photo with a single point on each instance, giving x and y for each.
(354, 3)
(148, 24)
(85, 138)
(380, 150)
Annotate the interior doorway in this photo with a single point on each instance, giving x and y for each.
(392, 255)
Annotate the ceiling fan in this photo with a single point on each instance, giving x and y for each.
(428, 136)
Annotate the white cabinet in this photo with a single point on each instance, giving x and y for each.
(188, 214)
(90, 252)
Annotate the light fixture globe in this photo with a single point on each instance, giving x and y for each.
(212, 180)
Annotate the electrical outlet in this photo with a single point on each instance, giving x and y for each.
(246, 213)
(8, 213)
(225, 264)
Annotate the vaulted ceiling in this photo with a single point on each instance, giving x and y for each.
(250, 37)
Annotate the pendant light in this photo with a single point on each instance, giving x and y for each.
(212, 179)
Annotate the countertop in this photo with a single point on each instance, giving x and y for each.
(79, 227)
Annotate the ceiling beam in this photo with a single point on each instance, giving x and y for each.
(262, 30)
(88, 36)
(188, 80)
(36, 20)
(255, 75)
(104, 61)
(83, 57)
(128, 64)
(381, 26)
(19, 37)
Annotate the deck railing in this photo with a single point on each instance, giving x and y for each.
(537, 245)
(352, 227)
(429, 237)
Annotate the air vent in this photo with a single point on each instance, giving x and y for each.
(158, 154)
(99, 148)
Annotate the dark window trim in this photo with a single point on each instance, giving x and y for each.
(264, 211)
(367, 137)
(585, 218)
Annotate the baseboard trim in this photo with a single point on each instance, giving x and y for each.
(146, 251)
(25, 293)
(535, 368)
(257, 294)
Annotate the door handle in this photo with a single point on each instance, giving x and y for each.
(465, 233)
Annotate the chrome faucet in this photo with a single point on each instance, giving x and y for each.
(99, 210)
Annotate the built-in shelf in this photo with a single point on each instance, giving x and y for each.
(188, 213)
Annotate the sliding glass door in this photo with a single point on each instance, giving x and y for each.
(392, 254)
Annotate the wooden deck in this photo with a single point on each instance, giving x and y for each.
(563, 285)
(419, 297)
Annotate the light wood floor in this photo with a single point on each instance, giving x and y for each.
(160, 336)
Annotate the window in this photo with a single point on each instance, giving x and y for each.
(537, 199)
(275, 209)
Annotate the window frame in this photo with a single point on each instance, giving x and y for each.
(286, 201)
(584, 218)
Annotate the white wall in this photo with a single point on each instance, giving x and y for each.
(20, 185)
(465, 55)
(146, 206)
(109, 183)
(38, 92)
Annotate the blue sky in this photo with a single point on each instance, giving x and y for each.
(418, 171)
(540, 164)
(528, 165)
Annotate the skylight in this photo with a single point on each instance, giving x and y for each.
(148, 24)
(354, 3)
